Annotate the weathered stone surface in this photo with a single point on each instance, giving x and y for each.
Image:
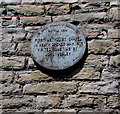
(78, 101)
(18, 37)
(87, 73)
(10, 21)
(13, 34)
(114, 3)
(10, 1)
(8, 110)
(28, 1)
(86, 101)
(96, 61)
(56, 1)
(31, 63)
(99, 87)
(81, 18)
(59, 18)
(99, 31)
(1, 10)
(50, 100)
(103, 111)
(110, 74)
(57, 9)
(113, 14)
(6, 76)
(23, 48)
(91, 32)
(29, 10)
(113, 33)
(31, 29)
(10, 88)
(95, 0)
(17, 102)
(13, 62)
(100, 101)
(113, 101)
(14, 37)
(115, 61)
(6, 38)
(8, 47)
(29, 110)
(87, 17)
(38, 20)
(86, 7)
(102, 46)
(7, 30)
(48, 111)
(7, 20)
(31, 76)
(59, 87)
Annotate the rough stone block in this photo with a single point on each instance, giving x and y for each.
(17, 102)
(88, 17)
(28, 1)
(10, 21)
(31, 63)
(97, 31)
(113, 101)
(82, 17)
(6, 38)
(8, 47)
(7, 30)
(7, 20)
(115, 61)
(14, 37)
(13, 62)
(110, 74)
(10, 89)
(31, 29)
(6, 76)
(95, 0)
(100, 101)
(78, 101)
(11, 1)
(99, 87)
(35, 20)
(30, 76)
(9, 110)
(103, 111)
(28, 10)
(23, 48)
(97, 61)
(102, 46)
(58, 87)
(87, 74)
(113, 14)
(58, 111)
(56, 1)
(57, 9)
(113, 33)
(50, 100)
(29, 110)
(1, 10)
(114, 3)
(66, 18)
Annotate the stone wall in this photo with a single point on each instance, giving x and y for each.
(94, 87)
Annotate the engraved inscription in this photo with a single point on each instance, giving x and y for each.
(58, 45)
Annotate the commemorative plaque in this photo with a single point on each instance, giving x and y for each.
(58, 46)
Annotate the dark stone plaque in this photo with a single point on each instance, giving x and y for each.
(58, 46)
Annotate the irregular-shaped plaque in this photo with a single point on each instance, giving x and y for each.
(58, 46)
